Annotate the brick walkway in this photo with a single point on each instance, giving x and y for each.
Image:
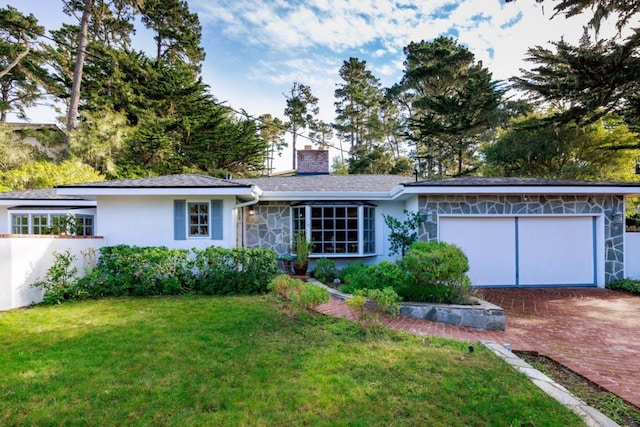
(593, 332)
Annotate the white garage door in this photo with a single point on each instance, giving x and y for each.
(525, 251)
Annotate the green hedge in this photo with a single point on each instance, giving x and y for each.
(149, 271)
(429, 272)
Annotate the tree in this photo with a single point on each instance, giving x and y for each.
(47, 175)
(403, 234)
(99, 138)
(589, 80)
(87, 9)
(321, 132)
(358, 105)
(451, 99)
(272, 133)
(602, 150)
(178, 32)
(301, 109)
(21, 70)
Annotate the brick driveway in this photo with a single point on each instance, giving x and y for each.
(594, 332)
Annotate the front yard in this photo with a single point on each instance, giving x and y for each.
(239, 361)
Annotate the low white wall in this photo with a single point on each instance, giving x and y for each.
(632, 255)
(25, 259)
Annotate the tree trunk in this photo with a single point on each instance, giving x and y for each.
(74, 98)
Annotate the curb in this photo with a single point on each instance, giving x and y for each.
(591, 416)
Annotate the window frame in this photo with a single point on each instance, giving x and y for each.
(42, 229)
(199, 224)
(335, 235)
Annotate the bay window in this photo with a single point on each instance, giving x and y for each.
(337, 228)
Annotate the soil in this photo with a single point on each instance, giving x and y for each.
(595, 396)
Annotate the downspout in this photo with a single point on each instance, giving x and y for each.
(256, 198)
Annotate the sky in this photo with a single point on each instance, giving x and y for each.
(256, 49)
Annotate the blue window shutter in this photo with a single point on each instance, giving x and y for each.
(215, 220)
(179, 219)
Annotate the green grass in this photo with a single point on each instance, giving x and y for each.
(239, 361)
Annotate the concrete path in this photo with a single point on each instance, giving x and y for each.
(593, 332)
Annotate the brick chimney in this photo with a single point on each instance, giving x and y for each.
(313, 162)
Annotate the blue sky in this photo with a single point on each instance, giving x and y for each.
(256, 49)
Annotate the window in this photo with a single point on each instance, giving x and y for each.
(20, 224)
(84, 225)
(45, 223)
(40, 224)
(338, 229)
(198, 219)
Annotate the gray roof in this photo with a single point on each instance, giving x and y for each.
(475, 181)
(190, 180)
(40, 194)
(344, 183)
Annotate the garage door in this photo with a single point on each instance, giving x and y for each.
(525, 251)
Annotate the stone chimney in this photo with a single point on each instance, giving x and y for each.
(313, 162)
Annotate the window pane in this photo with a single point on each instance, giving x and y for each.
(198, 219)
(40, 223)
(84, 225)
(335, 229)
(20, 224)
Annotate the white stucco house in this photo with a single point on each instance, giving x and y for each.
(516, 232)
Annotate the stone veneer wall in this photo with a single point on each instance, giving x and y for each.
(514, 205)
(270, 227)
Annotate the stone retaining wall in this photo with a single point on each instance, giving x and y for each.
(482, 315)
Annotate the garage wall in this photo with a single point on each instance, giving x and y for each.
(610, 247)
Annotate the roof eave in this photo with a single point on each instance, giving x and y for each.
(47, 202)
(523, 189)
(324, 195)
(155, 191)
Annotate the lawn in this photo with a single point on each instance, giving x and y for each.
(239, 361)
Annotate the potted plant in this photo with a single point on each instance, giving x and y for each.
(302, 247)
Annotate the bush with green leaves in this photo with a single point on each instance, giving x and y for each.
(140, 271)
(325, 270)
(60, 282)
(378, 276)
(626, 285)
(350, 270)
(370, 304)
(299, 295)
(144, 271)
(430, 265)
(221, 271)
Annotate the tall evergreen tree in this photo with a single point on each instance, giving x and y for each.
(177, 31)
(358, 105)
(21, 62)
(589, 80)
(301, 110)
(450, 98)
(272, 132)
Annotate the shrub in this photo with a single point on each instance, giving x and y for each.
(60, 282)
(403, 234)
(299, 295)
(378, 276)
(433, 264)
(430, 293)
(626, 285)
(140, 271)
(222, 271)
(325, 270)
(371, 304)
(145, 271)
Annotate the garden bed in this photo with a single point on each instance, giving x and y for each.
(482, 315)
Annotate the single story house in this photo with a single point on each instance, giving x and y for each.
(516, 232)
